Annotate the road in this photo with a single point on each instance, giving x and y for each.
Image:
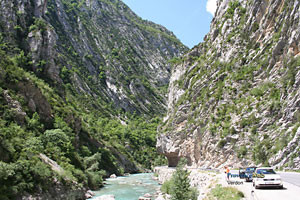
(291, 177)
(290, 191)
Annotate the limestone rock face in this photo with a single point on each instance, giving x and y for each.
(234, 99)
(36, 101)
(101, 48)
(124, 56)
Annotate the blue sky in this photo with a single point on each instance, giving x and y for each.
(189, 20)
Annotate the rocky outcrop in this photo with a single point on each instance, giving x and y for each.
(54, 166)
(233, 98)
(292, 148)
(36, 101)
(16, 108)
(42, 42)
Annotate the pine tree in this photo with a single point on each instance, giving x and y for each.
(181, 189)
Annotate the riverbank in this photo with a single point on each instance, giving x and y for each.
(200, 179)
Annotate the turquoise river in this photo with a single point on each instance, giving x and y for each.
(129, 187)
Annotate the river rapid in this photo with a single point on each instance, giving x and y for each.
(129, 187)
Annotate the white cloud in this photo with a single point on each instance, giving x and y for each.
(211, 6)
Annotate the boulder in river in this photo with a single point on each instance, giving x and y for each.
(113, 176)
(89, 194)
(144, 198)
(147, 195)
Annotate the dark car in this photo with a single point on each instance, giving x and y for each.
(249, 173)
(241, 173)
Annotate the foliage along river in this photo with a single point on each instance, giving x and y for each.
(129, 187)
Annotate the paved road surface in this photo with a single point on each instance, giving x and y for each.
(290, 191)
(291, 177)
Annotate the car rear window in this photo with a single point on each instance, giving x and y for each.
(265, 171)
(251, 169)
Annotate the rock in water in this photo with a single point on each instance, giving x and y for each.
(147, 195)
(113, 176)
(144, 198)
(89, 194)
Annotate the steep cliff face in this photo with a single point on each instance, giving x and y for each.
(99, 47)
(83, 83)
(234, 99)
(123, 58)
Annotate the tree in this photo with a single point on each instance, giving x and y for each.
(179, 186)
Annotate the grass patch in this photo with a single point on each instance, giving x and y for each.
(224, 193)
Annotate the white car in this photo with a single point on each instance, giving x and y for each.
(266, 177)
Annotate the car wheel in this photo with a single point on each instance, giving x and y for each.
(281, 187)
(255, 186)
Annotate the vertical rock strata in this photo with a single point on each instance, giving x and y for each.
(234, 99)
(101, 48)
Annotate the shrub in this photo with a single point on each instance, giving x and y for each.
(179, 185)
(167, 186)
(221, 143)
(257, 92)
(242, 151)
(39, 24)
(255, 27)
(95, 179)
(232, 6)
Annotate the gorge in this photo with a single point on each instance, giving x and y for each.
(82, 89)
(89, 89)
